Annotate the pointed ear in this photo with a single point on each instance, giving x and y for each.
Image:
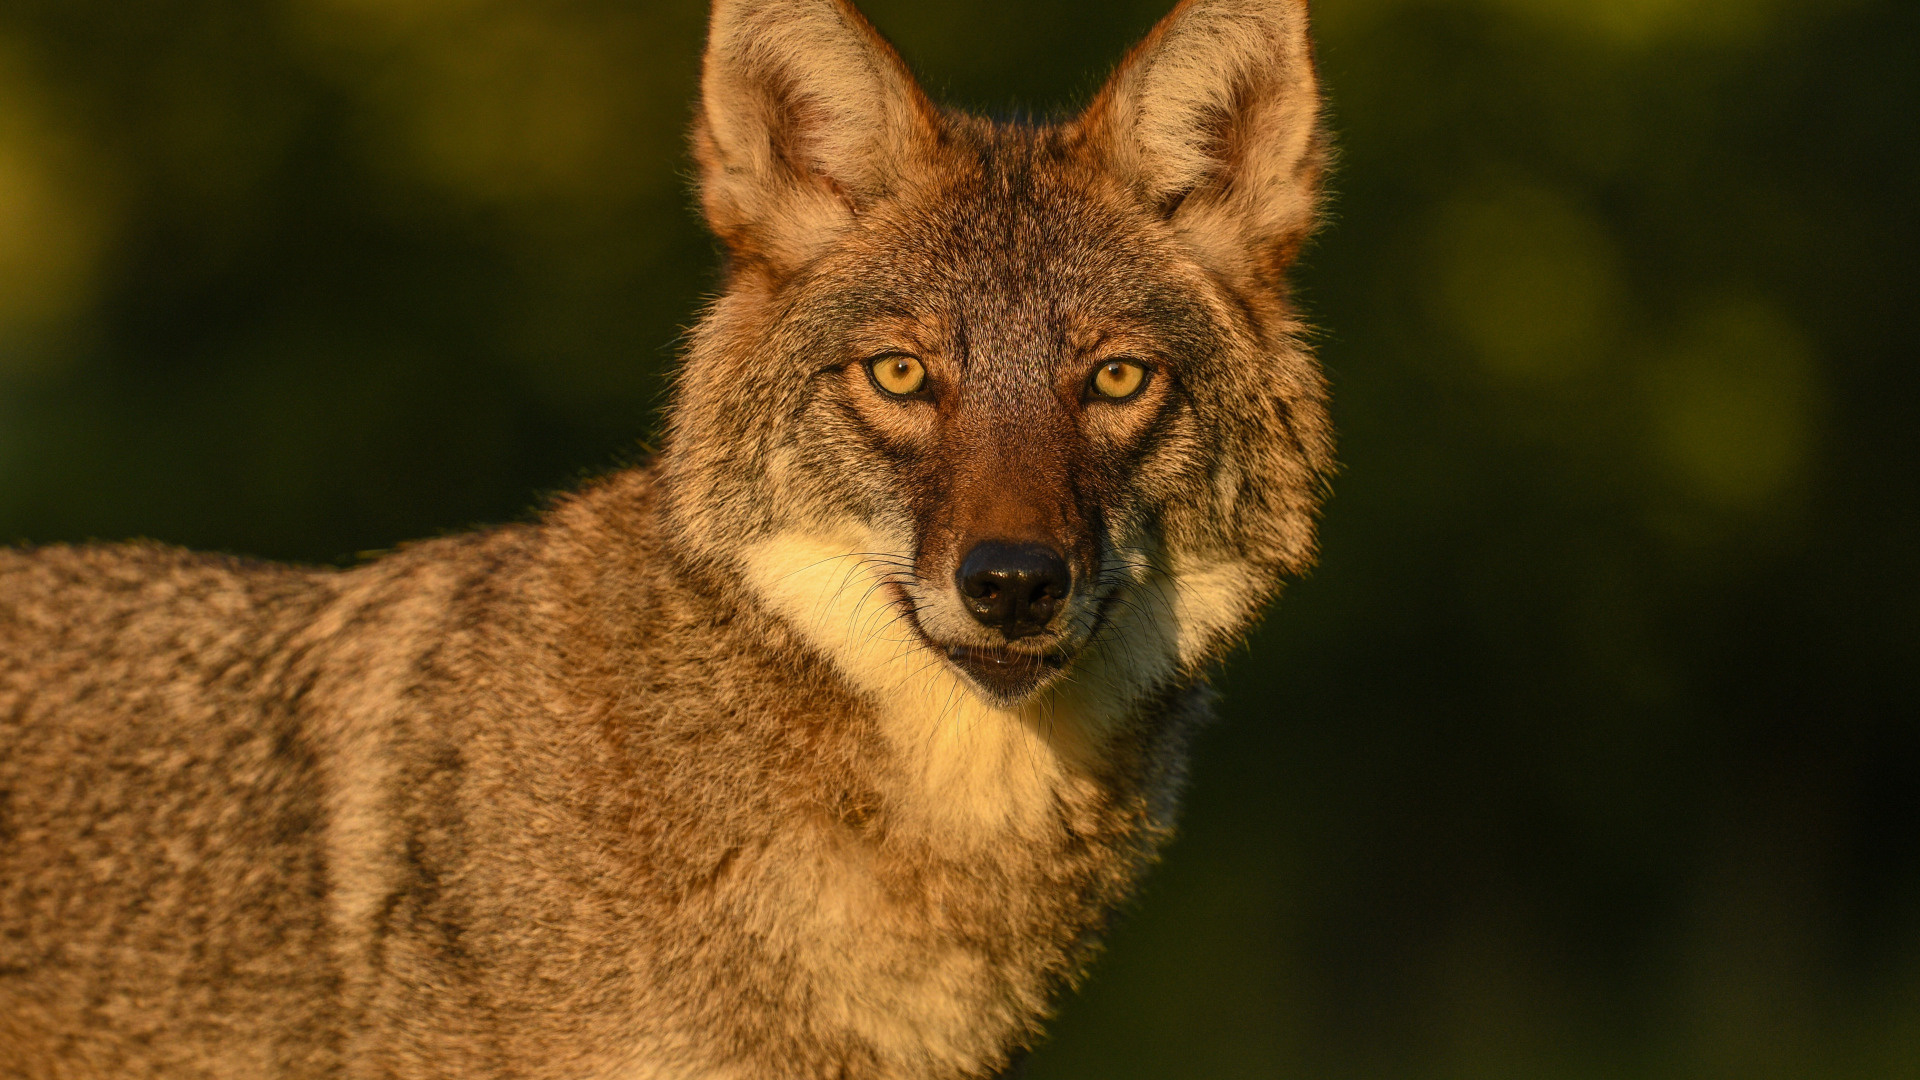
(807, 115)
(1215, 120)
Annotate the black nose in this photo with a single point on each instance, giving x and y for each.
(1015, 588)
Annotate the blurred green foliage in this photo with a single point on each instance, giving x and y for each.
(1591, 749)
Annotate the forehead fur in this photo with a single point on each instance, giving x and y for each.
(1015, 243)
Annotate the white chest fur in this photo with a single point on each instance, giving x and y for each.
(968, 771)
(973, 771)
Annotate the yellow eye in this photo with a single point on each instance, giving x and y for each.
(1117, 380)
(898, 374)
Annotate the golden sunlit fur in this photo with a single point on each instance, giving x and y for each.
(716, 770)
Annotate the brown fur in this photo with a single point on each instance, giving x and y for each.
(645, 788)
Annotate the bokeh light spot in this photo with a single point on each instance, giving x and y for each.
(515, 108)
(1527, 279)
(1735, 405)
(1647, 21)
(1628, 24)
(52, 223)
(504, 104)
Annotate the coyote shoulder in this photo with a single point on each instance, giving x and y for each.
(821, 746)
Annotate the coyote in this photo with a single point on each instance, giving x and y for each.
(823, 745)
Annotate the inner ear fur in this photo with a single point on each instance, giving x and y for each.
(806, 116)
(1214, 119)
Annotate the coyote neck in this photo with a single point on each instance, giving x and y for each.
(802, 870)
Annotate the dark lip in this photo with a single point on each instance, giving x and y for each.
(1006, 675)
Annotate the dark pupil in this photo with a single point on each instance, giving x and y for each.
(900, 368)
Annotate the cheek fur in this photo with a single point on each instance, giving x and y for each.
(835, 465)
(1126, 424)
(1161, 464)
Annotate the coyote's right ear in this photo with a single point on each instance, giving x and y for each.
(807, 115)
(1215, 120)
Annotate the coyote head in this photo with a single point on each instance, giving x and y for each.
(1003, 403)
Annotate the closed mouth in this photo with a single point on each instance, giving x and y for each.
(1004, 673)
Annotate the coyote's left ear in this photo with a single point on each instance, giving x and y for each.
(1215, 120)
(807, 115)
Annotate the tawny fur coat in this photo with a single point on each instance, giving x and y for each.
(695, 776)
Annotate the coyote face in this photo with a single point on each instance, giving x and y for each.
(990, 399)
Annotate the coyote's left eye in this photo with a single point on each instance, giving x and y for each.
(899, 374)
(1118, 380)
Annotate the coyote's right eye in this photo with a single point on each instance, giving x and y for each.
(1118, 380)
(898, 374)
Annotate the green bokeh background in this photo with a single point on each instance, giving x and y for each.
(1590, 751)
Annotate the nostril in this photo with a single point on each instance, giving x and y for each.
(1016, 588)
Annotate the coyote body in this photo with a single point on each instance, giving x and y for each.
(823, 745)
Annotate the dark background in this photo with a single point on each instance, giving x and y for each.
(1590, 751)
